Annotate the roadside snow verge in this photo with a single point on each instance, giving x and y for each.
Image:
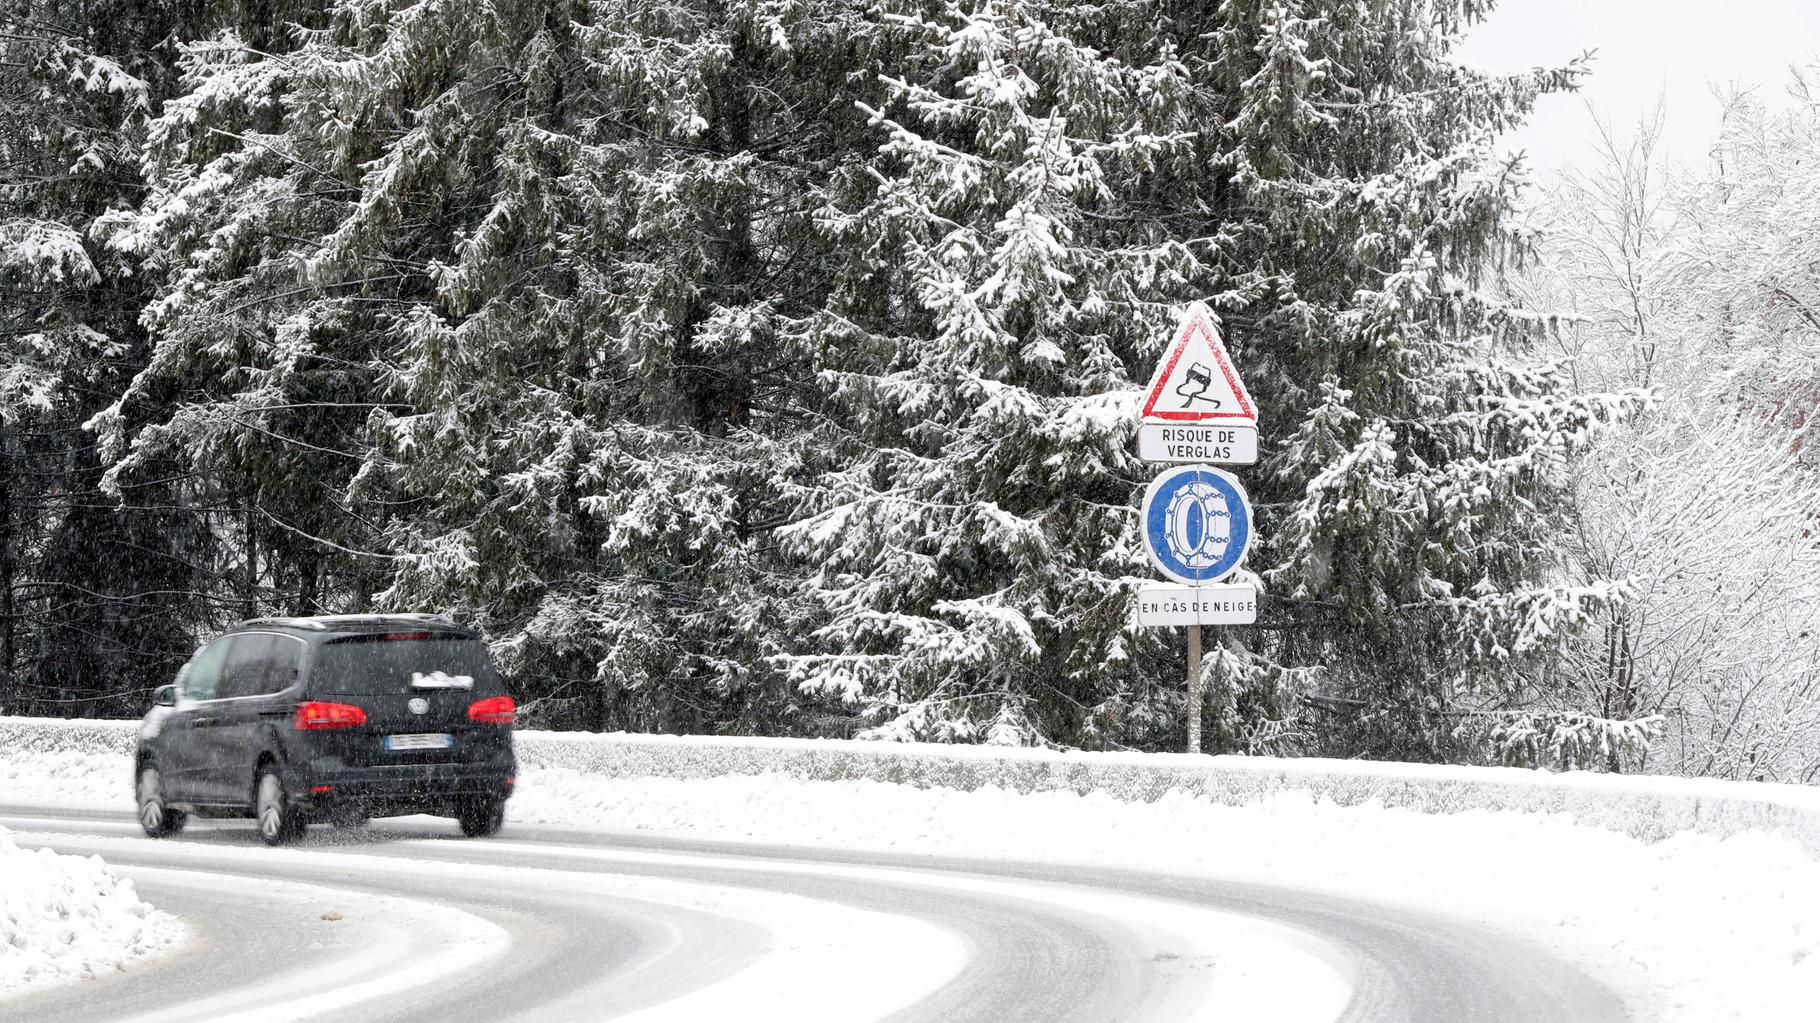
(87, 760)
(1646, 807)
(69, 917)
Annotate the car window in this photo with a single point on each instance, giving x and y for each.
(285, 666)
(204, 673)
(403, 663)
(248, 662)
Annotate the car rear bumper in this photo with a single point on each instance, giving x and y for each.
(401, 788)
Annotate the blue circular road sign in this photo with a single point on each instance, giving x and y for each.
(1197, 523)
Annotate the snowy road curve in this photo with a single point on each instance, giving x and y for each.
(406, 921)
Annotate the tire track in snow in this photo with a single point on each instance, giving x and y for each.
(1038, 951)
(743, 946)
(1047, 941)
(383, 943)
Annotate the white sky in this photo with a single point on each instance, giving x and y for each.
(1676, 49)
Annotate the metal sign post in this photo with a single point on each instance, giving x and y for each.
(1196, 518)
(1194, 689)
(1197, 527)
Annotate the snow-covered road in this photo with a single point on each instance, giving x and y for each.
(404, 920)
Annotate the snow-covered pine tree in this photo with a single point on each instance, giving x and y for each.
(1053, 181)
(1012, 254)
(94, 594)
(513, 309)
(490, 293)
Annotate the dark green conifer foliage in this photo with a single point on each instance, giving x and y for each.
(534, 252)
(1055, 182)
(97, 596)
(769, 364)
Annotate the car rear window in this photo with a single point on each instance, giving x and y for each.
(404, 662)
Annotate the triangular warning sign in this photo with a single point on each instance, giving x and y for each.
(1195, 381)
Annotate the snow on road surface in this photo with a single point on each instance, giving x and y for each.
(1217, 966)
(820, 958)
(770, 954)
(67, 917)
(385, 944)
(400, 944)
(1692, 929)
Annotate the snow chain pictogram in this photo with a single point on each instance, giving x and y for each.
(1197, 523)
(1200, 525)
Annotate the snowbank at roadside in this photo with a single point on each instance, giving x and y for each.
(52, 760)
(69, 917)
(1648, 807)
(68, 778)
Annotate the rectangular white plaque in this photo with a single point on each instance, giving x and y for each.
(1193, 442)
(1214, 604)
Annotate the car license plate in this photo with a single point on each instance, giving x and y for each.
(426, 740)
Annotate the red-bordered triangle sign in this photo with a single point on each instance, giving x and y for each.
(1195, 381)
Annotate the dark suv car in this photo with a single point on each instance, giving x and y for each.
(341, 718)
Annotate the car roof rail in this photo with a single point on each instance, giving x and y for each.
(372, 619)
(322, 623)
(282, 622)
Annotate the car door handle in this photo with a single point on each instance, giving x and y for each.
(204, 720)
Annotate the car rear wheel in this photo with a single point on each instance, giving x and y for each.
(279, 821)
(158, 820)
(481, 818)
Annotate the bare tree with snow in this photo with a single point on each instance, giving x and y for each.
(1698, 285)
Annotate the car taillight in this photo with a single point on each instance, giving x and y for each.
(501, 710)
(313, 715)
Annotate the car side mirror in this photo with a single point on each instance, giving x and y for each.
(164, 696)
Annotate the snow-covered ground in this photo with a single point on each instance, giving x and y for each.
(1693, 928)
(1696, 927)
(73, 775)
(67, 917)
